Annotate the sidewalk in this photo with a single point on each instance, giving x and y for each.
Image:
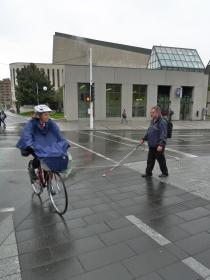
(116, 125)
(98, 239)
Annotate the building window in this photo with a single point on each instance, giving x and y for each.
(113, 100)
(58, 77)
(139, 101)
(53, 77)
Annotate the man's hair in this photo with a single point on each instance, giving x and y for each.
(157, 109)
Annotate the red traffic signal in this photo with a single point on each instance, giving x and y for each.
(87, 97)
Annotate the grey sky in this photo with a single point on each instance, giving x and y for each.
(27, 27)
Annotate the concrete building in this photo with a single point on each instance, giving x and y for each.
(54, 73)
(136, 90)
(131, 78)
(207, 71)
(5, 94)
(74, 50)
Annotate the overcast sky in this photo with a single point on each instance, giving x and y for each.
(27, 27)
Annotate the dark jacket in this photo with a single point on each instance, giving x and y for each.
(156, 133)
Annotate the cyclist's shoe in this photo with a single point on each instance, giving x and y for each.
(32, 174)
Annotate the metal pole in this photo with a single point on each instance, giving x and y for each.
(91, 82)
(37, 93)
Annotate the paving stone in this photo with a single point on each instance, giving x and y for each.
(28, 234)
(195, 244)
(111, 272)
(119, 235)
(204, 258)
(198, 202)
(149, 262)
(9, 266)
(101, 208)
(118, 223)
(151, 276)
(196, 226)
(12, 277)
(11, 239)
(193, 214)
(178, 271)
(89, 230)
(73, 248)
(166, 221)
(108, 255)
(142, 244)
(87, 203)
(78, 213)
(101, 217)
(176, 251)
(173, 233)
(41, 243)
(65, 269)
(122, 196)
(35, 259)
(6, 228)
(126, 202)
(7, 251)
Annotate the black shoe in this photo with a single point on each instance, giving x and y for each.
(146, 175)
(163, 175)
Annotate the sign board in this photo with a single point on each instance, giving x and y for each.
(179, 92)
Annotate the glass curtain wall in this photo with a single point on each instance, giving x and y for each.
(139, 106)
(113, 100)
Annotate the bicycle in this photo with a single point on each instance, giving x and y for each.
(54, 184)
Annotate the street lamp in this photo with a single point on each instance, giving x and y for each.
(37, 92)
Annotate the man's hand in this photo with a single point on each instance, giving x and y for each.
(141, 141)
(159, 148)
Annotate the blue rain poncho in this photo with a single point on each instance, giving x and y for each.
(47, 143)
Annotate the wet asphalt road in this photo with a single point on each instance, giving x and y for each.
(97, 149)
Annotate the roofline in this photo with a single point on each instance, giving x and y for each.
(105, 44)
(175, 48)
(36, 63)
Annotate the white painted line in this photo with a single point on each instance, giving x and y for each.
(148, 230)
(196, 266)
(118, 136)
(8, 148)
(181, 153)
(4, 210)
(188, 135)
(167, 149)
(97, 136)
(13, 170)
(91, 151)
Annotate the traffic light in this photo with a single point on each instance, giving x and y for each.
(92, 92)
(87, 97)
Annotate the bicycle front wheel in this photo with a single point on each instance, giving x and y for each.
(57, 192)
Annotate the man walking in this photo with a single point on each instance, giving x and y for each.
(2, 118)
(156, 136)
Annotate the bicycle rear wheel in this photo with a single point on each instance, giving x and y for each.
(57, 192)
(36, 185)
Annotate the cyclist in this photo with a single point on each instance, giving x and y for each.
(41, 137)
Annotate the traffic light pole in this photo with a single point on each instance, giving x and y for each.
(91, 82)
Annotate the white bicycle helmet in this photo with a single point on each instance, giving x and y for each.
(42, 109)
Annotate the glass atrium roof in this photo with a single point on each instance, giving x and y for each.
(179, 59)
